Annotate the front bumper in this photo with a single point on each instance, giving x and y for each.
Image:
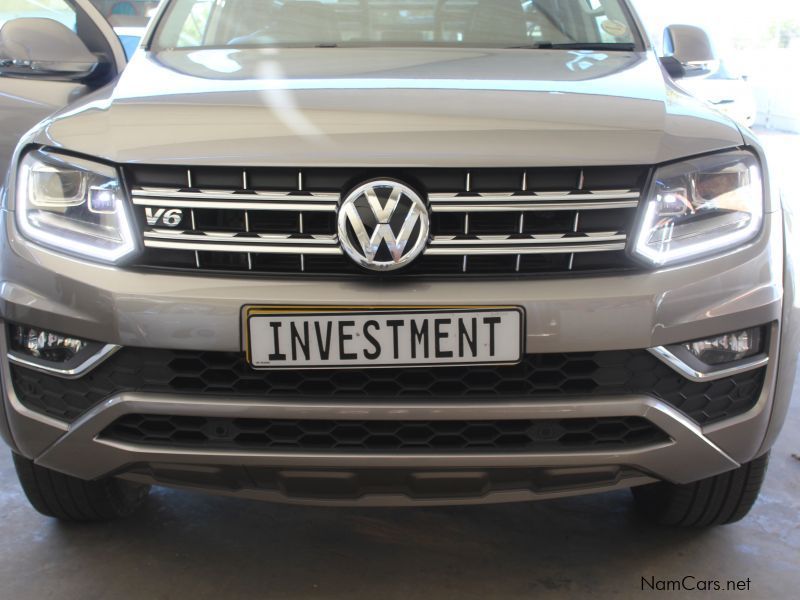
(149, 310)
(82, 452)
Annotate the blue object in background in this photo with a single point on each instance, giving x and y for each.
(130, 43)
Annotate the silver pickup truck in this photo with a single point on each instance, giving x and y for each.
(374, 252)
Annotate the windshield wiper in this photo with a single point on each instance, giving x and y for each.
(610, 47)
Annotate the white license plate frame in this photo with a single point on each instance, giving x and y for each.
(507, 352)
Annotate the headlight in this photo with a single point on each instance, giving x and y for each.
(699, 207)
(74, 205)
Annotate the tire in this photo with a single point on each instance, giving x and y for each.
(717, 500)
(68, 498)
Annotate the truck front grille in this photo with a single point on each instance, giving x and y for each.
(383, 436)
(483, 221)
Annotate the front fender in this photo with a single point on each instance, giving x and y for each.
(790, 332)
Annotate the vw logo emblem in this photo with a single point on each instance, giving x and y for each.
(383, 225)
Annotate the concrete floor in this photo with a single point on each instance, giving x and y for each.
(194, 546)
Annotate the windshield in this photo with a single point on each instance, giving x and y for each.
(329, 23)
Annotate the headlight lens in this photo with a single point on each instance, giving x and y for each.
(74, 205)
(701, 206)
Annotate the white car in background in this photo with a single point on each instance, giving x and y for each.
(728, 92)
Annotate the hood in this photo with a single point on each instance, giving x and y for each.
(402, 107)
(719, 91)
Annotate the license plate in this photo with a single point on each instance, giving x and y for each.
(313, 338)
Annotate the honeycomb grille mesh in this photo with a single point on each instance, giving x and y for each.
(262, 434)
(227, 374)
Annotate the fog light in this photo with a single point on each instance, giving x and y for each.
(729, 347)
(45, 345)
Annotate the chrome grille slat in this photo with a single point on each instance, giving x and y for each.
(236, 205)
(249, 200)
(544, 249)
(575, 224)
(534, 202)
(536, 197)
(190, 185)
(243, 248)
(506, 207)
(228, 195)
(300, 219)
(527, 241)
(241, 238)
(246, 221)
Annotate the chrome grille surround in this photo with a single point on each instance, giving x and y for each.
(461, 229)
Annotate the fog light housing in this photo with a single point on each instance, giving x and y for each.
(729, 347)
(45, 345)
